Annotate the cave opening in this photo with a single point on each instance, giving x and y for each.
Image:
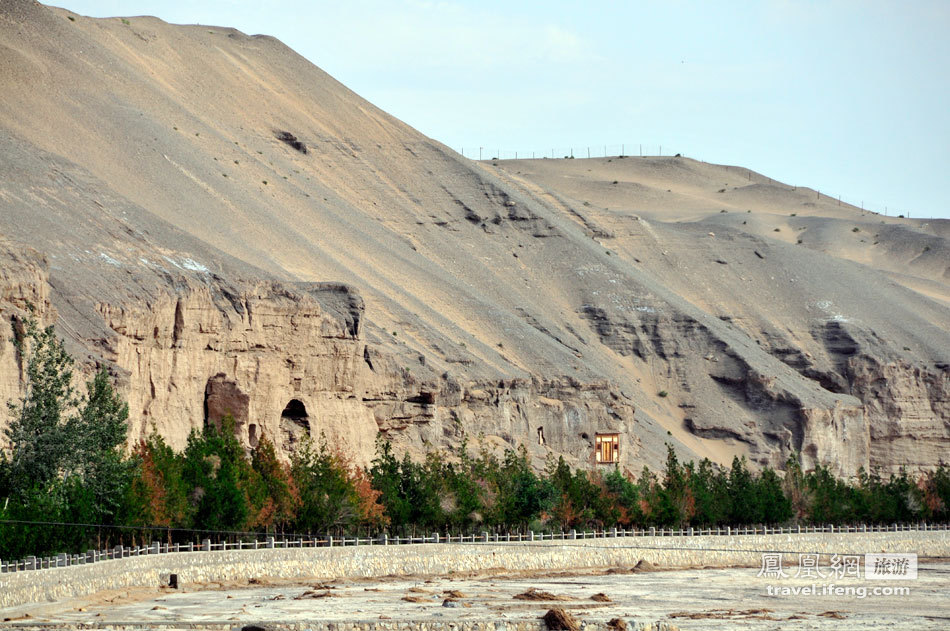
(294, 425)
(295, 410)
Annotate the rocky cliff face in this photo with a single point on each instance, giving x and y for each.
(289, 361)
(908, 412)
(310, 265)
(283, 361)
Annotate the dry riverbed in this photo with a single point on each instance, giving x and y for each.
(689, 599)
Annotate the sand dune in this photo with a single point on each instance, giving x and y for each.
(128, 140)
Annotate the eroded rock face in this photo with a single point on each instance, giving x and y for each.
(290, 362)
(558, 416)
(23, 289)
(908, 409)
(195, 357)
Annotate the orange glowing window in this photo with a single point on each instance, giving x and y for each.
(607, 448)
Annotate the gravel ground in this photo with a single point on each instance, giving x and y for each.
(687, 598)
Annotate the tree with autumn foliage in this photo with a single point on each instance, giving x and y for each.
(624, 493)
(334, 493)
(935, 488)
(580, 503)
(274, 495)
(157, 495)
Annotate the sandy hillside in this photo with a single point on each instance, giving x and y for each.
(913, 252)
(135, 154)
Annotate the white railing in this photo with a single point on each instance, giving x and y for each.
(121, 552)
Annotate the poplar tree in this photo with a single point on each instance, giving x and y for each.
(39, 436)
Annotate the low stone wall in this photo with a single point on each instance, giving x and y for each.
(440, 559)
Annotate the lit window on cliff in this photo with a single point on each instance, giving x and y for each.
(607, 448)
(295, 410)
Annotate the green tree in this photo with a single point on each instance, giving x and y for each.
(218, 476)
(327, 498)
(625, 494)
(831, 500)
(677, 504)
(521, 494)
(385, 473)
(39, 435)
(466, 489)
(774, 507)
(710, 497)
(744, 508)
(99, 432)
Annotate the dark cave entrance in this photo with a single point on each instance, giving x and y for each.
(294, 424)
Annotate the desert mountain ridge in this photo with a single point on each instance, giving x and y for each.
(231, 230)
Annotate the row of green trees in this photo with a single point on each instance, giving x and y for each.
(68, 483)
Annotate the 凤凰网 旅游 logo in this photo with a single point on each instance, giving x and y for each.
(882, 566)
(890, 566)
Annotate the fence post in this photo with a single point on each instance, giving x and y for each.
(60, 560)
(90, 556)
(435, 537)
(573, 534)
(206, 545)
(270, 543)
(30, 563)
(485, 536)
(530, 535)
(652, 531)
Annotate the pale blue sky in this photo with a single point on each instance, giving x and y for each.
(850, 97)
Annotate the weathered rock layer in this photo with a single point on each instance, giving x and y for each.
(231, 231)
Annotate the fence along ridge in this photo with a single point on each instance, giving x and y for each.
(121, 552)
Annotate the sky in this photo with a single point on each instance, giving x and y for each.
(849, 97)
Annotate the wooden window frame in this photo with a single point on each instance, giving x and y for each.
(607, 448)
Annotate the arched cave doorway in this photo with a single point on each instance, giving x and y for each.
(294, 410)
(294, 425)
